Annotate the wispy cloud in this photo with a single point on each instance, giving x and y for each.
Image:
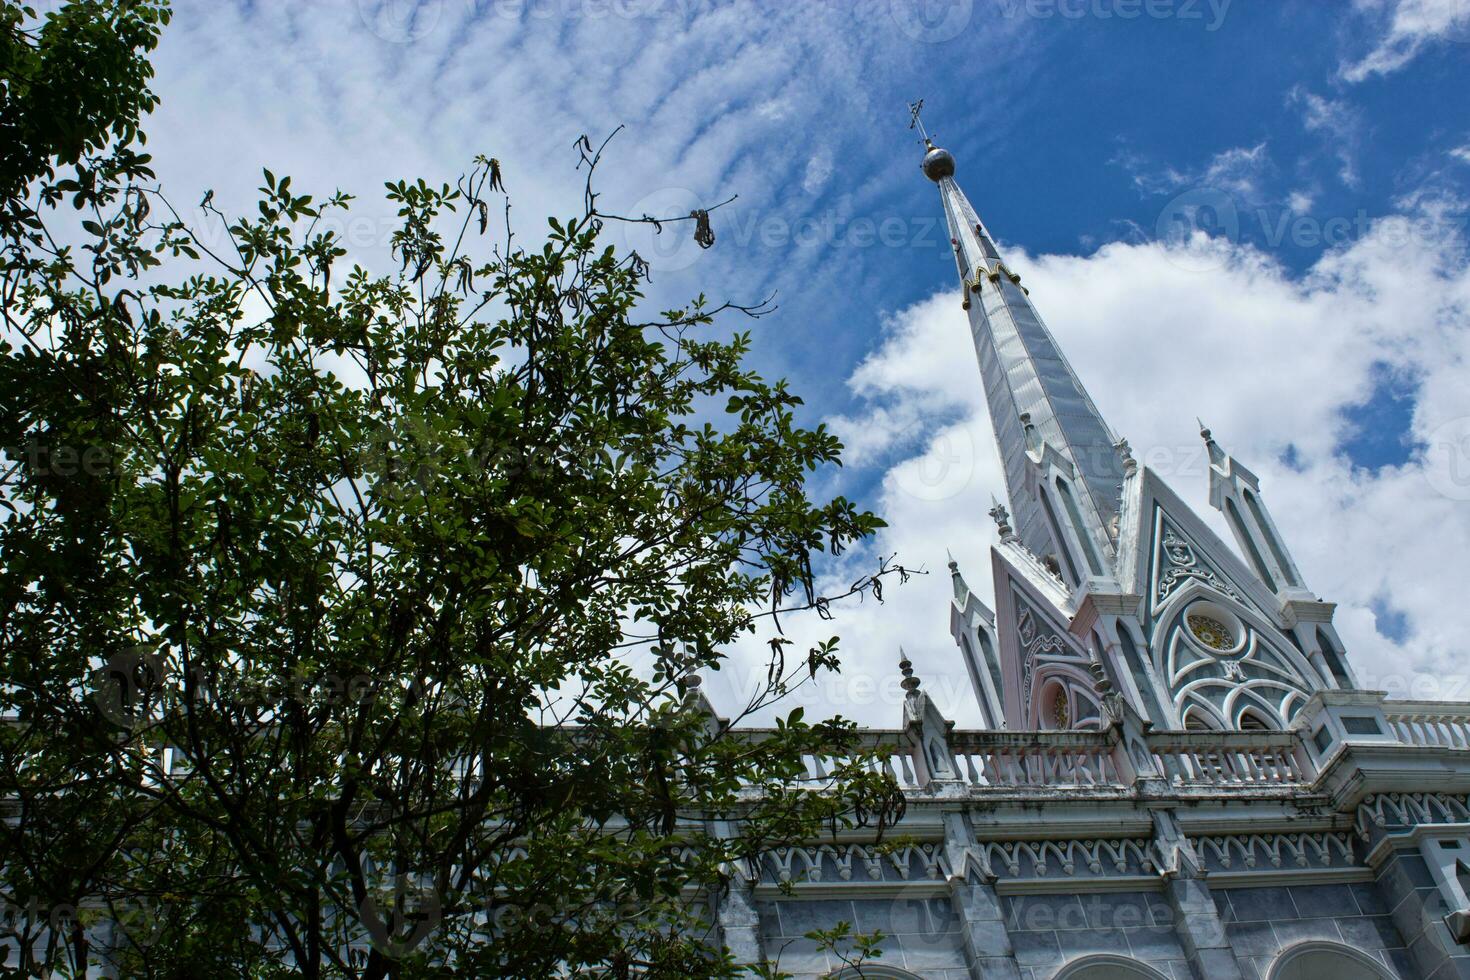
(1404, 28)
(1337, 123)
(1240, 171)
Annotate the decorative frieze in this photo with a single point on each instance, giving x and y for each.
(1068, 858)
(854, 862)
(1388, 811)
(1249, 851)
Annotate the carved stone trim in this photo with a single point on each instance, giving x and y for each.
(1246, 851)
(853, 862)
(1389, 811)
(1072, 858)
(1184, 564)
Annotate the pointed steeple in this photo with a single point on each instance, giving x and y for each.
(961, 588)
(1062, 464)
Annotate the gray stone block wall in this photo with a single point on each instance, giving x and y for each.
(1048, 931)
(1261, 922)
(921, 934)
(1416, 907)
(924, 935)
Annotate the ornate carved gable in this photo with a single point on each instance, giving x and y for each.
(1178, 560)
(1035, 645)
(1214, 631)
(1176, 548)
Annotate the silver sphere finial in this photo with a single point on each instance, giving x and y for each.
(938, 163)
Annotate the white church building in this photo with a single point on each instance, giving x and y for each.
(1178, 776)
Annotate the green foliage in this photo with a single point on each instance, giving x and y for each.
(319, 587)
(72, 81)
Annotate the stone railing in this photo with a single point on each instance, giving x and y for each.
(1035, 759)
(1231, 759)
(1083, 761)
(1429, 723)
(988, 761)
(900, 763)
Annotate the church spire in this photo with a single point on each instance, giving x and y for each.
(1062, 465)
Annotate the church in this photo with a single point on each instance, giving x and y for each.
(1178, 775)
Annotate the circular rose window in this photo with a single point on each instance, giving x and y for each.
(1211, 632)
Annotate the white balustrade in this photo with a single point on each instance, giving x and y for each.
(1233, 759)
(1430, 724)
(1035, 759)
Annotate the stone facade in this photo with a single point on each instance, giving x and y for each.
(1320, 878)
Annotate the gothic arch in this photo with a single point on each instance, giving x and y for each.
(1201, 717)
(1252, 719)
(1106, 966)
(1326, 961)
(1245, 706)
(1064, 699)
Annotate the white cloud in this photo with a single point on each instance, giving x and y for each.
(1405, 28)
(1337, 123)
(818, 170)
(1239, 171)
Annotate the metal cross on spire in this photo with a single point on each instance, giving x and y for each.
(915, 121)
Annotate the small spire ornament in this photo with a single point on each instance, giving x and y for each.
(1125, 452)
(910, 683)
(1002, 518)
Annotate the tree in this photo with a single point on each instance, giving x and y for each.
(318, 588)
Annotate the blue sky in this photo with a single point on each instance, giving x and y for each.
(1322, 331)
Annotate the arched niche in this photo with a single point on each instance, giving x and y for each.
(1199, 717)
(1326, 961)
(1254, 720)
(1062, 702)
(1108, 967)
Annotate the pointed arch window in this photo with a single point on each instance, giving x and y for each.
(1270, 535)
(1251, 721)
(1153, 706)
(1197, 721)
(1073, 578)
(1315, 960)
(1066, 707)
(1107, 966)
(1254, 553)
(1089, 551)
(992, 663)
(1334, 659)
